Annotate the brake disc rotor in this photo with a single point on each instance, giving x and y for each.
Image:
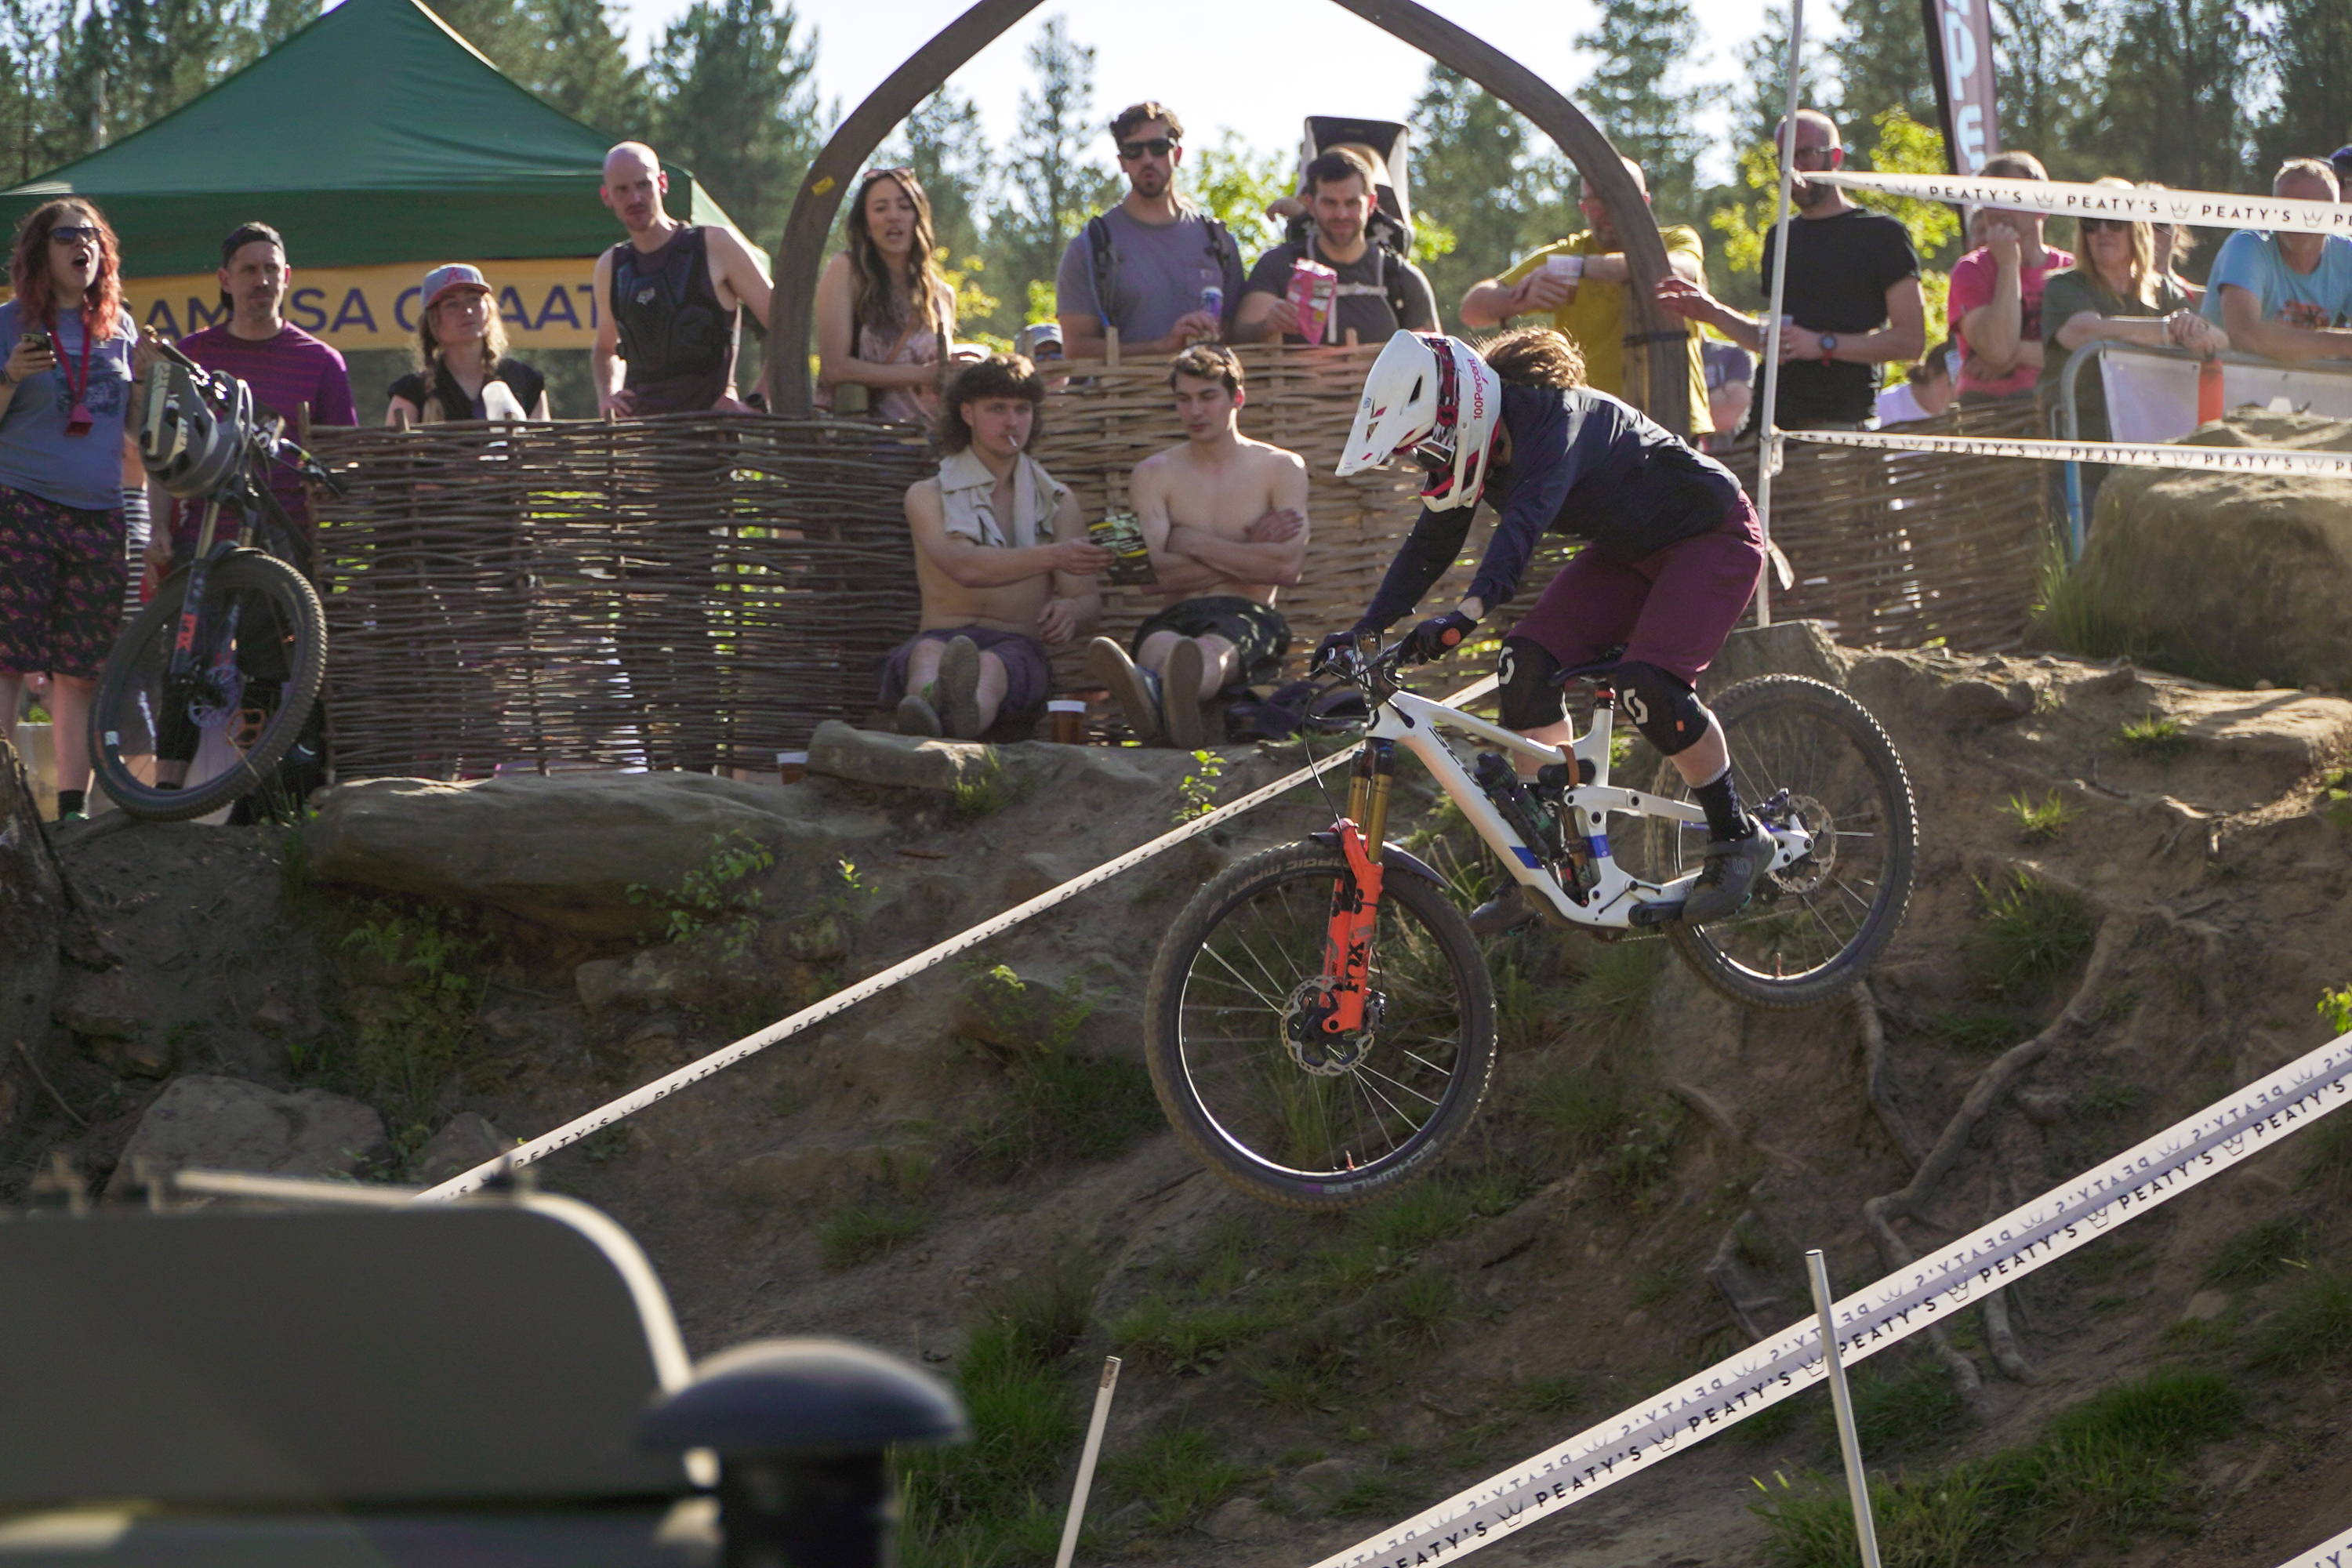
(1315, 1052)
(1812, 871)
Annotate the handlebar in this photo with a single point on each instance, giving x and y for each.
(268, 437)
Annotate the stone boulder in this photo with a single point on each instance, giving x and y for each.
(565, 851)
(468, 1138)
(2242, 575)
(229, 1124)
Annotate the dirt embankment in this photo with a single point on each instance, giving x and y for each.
(2143, 882)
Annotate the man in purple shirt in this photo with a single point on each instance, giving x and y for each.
(286, 366)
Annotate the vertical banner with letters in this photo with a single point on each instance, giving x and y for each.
(1959, 50)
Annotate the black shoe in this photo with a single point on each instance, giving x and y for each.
(1734, 867)
(1506, 911)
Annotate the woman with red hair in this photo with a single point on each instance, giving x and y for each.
(65, 393)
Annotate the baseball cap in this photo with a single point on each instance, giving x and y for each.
(2341, 157)
(455, 275)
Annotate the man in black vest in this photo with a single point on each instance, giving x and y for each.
(671, 298)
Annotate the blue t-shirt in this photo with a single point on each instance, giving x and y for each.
(2319, 298)
(36, 455)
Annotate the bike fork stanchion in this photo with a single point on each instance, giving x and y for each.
(1857, 1484)
(1086, 1462)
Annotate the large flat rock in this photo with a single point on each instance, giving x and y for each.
(211, 1123)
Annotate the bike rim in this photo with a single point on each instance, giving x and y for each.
(154, 732)
(1339, 1114)
(1796, 766)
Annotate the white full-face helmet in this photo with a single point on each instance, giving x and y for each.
(1431, 398)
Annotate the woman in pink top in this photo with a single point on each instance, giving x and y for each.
(884, 315)
(1996, 298)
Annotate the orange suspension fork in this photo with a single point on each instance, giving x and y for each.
(1356, 900)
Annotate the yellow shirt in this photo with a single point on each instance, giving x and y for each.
(1595, 318)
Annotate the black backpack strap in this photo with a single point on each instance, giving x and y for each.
(1104, 263)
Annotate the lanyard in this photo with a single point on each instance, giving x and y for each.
(78, 419)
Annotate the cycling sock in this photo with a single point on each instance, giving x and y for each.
(1720, 800)
(71, 800)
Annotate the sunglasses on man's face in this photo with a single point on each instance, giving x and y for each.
(73, 234)
(1151, 146)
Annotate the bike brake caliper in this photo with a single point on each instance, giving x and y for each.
(1348, 946)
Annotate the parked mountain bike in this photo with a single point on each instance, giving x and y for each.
(216, 680)
(1320, 1022)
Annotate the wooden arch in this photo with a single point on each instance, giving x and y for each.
(800, 256)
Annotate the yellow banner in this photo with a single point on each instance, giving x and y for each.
(546, 304)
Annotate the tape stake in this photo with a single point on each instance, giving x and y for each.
(2068, 198)
(2336, 1553)
(841, 1000)
(1931, 1291)
(2283, 461)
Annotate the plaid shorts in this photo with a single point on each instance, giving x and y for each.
(62, 577)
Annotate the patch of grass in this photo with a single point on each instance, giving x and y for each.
(1378, 1493)
(1546, 1396)
(1768, 1426)
(1617, 987)
(862, 1232)
(987, 790)
(1978, 1031)
(1580, 1107)
(1056, 1106)
(405, 1039)
(1934, 1521)
(1423, 1308)
(2312, 1327)
(1651, 1286)
(2028, 933)
(2262, 1252)
(1177, 1475)
(1528, 1011)
(2335, 802)
(1306, 1374)
(1181, 1339)
(2153, 735)
(2327, 1159)
(1910, 1407)
(1638, 1161)
(1424, 1213)
(2040, 819)
(2067, 618)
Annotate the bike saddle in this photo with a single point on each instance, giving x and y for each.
(1593, 669)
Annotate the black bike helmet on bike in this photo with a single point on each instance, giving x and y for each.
(184, 444)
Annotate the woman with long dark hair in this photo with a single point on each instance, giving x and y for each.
(885, 316)
(462, 368)
(73, 358)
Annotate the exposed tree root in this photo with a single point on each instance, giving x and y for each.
(1749, 1299)
(1999, 1337)
(1874, 1049)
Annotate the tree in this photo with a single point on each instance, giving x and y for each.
(1237, 183)
(1476, 183)
(1632, 97)
(735, 101)
(1052, 188)
(949, 152)
(568, 52)
(2172, 106)
(1764, 67)
(2307, 50)
(2043, 51)
(1882, 62)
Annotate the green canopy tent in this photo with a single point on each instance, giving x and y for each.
(375, 135)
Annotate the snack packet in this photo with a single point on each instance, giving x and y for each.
(1314, 289)
(1121, 535)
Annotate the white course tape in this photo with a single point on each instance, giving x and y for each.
(2124, 454)
(2334, 1553)
(2294, 215)
(2246, 1124)
(931, 957)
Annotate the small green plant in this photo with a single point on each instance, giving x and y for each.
(2153, 735)
(1978, 1031)
(2028, 933)
(1177, 1475)
(1558, 1395)
(2044, 818)
(1582, 1108)
(1663, 1283)
(1423, 1308)
(1056, 1105)
(1181, 1340)
(1910, 1406)
(715, 893)
(2068, 616)
(1198, 789)
(2311, 1328)
(985, 791)
(1617, 987)
(407, 1023)
(2262, 1252)
(2327, 1159)
(1638, 1161)
(2335, 802)
(1378, 1493)
(864, 1231)
(2335, 1006)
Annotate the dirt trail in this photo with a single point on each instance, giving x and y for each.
(958, 1144)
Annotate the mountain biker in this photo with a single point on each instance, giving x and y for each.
(1673, 553)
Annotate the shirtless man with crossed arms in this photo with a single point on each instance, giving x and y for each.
(1225, 520)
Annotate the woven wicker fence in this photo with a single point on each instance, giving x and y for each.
(700, 590)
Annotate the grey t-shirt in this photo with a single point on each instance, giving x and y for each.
(1366, 286)
(1163, 268)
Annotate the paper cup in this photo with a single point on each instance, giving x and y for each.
(791, 766)
(1065, 721)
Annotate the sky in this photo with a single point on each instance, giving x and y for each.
(1238, 63)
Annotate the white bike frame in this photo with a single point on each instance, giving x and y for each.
(1416, 723)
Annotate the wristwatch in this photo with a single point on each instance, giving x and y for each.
(1829, 347)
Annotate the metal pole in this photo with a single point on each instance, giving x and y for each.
(1087, 1463)
(1767, 439)
(1857, 1485)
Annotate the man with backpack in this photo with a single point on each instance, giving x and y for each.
(1377, 291)
(1160, 270)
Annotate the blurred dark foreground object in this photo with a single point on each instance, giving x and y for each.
(349, 1379)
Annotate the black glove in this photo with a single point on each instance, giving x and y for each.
(1437, 637)
(1337, 654)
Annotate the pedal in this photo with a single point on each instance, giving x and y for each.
(1662, 912)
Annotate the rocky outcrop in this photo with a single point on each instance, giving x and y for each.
(2236, 575)
(211, 1123)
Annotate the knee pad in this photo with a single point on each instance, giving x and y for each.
(1530, 694)
(1662, 705)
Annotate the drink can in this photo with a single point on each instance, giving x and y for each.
(791, 766)
(1212, 299)
(1065, 721)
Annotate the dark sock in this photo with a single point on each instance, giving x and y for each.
(71, 800)
(1720, 800)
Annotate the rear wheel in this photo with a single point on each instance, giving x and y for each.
(1286, 1114)
(260, 652)
(1807, 756)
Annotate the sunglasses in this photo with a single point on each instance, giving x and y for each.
(1153, 146)
(2093, 225)
(74, 233)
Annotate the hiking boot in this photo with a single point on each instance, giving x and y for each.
(957, 698)
(1506, 911)
(1136, 691)
(917, 716)
(1734, 866)
(1180, 697)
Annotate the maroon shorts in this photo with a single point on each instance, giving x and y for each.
(62, 572)
(1028, 673)
(1672, 608)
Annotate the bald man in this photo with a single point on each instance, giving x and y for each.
(672, 294)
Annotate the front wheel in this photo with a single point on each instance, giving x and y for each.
(168, 750)
(1285, 1114)
(1807, 756)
